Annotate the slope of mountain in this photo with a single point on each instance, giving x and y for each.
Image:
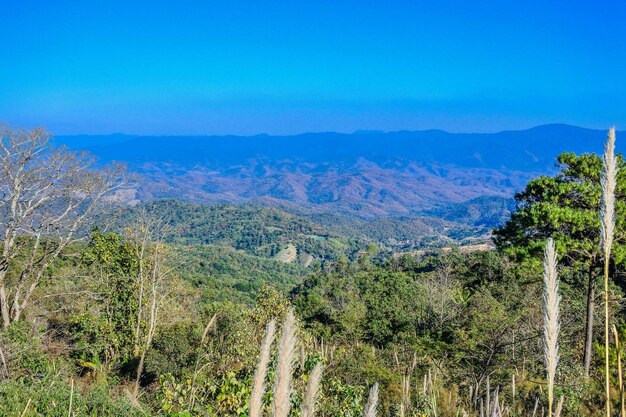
(367, 174)
(260, 231)
(487, 212)
(307, 240)
(225, 273)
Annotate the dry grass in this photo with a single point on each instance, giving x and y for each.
(551, 325)
(372, 402)
(620, 379)
(312, 389)
(607, 226)
(559, 407)
(258, 387)
(284, 368)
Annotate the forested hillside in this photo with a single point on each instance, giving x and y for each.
(174, 309)
(265, 231)
(260, 231)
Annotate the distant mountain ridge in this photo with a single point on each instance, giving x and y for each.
(366, 174)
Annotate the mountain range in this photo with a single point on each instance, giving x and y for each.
(367, 175)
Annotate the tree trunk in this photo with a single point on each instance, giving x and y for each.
(4, 306)
(150, 336)
(591, 294)
(140, 257)
(151, 325)
(140, 366)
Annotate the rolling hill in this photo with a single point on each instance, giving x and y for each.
(265, 232)
(368, 175)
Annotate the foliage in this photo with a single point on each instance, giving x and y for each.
(224, 274)
(50, 397)
(22, 348)
(260, 231)
(441, 322)
(565, 207)
(115, 261)
(174, 349)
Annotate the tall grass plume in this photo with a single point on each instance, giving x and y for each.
(312, 390)
(551, 325)
(607, 226)
(284, 367)
(258, 387)
(372, 402)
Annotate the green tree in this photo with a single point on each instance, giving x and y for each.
(566, 207)
(115, 262)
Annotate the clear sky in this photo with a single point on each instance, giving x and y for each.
(246, 67)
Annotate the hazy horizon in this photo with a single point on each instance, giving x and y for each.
(353, 132)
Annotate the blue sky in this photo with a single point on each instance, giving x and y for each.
(246, 67)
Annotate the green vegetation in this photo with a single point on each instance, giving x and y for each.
(260, 231)
(565, 207)
(225, 274)
(180, 309)
(448, 225)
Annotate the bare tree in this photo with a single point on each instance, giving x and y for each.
(441, 288)
(141, 235)
(46, 195)
(153, 282)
